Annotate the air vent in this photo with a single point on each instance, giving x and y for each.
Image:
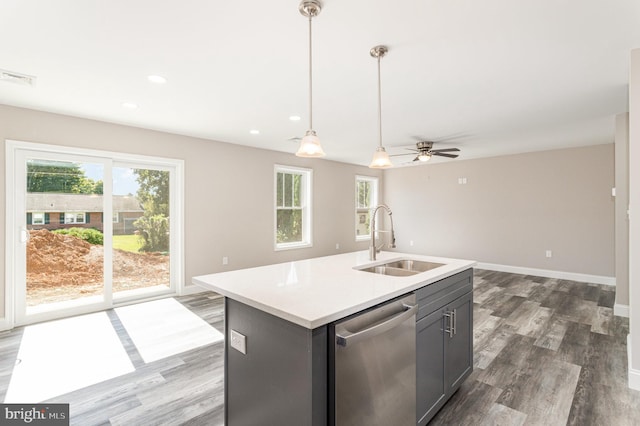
(17, 78)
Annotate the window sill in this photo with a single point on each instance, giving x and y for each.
(291, 246)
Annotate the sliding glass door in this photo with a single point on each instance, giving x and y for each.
(90, 232)
(141, 237)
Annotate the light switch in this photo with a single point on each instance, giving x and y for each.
(239, 342)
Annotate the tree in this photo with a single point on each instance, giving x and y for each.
(153, 194)
(65, 178)
(88, 186)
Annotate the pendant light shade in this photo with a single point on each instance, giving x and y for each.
(310, 146)
(380, 159)
(310, 143)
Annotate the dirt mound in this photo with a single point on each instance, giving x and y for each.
(61, 267)
(49, 252)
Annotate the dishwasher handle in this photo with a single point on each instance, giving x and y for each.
(345, 337)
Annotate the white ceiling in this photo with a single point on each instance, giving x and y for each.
(490, 77)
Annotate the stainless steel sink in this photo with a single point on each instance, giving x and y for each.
(402, 267)
(413, 265)
(387, 270)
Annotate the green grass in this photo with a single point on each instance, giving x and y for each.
(127, 242)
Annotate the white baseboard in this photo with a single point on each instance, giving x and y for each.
(621, 310)
(5, 324)
(593, 279)
(634, 375)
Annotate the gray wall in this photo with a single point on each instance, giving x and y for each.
(512, 209)
(228, 190)
(634, 219)
(621, 206)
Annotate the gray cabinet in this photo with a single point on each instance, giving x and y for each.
(430, 388)
(444, 342)
(458, 361)
(285, 376)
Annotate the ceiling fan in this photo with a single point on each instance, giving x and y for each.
(424, 151)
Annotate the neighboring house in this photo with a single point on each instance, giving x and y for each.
(46, 210)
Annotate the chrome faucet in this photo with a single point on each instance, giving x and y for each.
(373, 249)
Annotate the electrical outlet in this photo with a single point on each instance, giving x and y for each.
(239, 342)
(337, 246)
(548, 253)
(411, 243)
(225, 260)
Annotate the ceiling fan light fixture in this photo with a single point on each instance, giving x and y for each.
(310, 143)
(310, 146)
(380, 159)
(424, 157)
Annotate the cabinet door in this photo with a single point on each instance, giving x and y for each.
(459, 347)
(430, 359)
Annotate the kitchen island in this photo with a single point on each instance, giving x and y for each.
(278, 325)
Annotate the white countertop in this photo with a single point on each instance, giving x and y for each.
(315, 292)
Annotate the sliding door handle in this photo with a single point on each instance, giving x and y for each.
(25, 236)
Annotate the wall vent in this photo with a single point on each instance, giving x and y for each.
(17, 78)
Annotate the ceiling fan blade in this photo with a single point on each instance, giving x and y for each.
(417, 158)
(400, 155)
(445, 150)
(444, 155)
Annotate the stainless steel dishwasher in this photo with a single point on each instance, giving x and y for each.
(374, 364)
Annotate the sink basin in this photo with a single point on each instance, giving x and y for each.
(402, 267)
(389, 270)
(413, 265)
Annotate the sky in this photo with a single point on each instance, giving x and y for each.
(124, 181)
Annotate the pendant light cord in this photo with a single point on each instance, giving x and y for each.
(310, 78)
(379, 105)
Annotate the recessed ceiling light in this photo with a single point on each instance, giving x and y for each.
(129, 105)
(254, 132)
(17, 78)
(294, 118)
(157, 79)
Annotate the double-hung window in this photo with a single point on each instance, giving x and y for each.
(74, 217)
(366, 199)
(292, 207)
(37, 218)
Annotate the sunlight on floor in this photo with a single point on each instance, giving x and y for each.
(61, 356)
(165, 327)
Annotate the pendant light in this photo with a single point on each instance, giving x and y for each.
(310, 143)
(380, 159)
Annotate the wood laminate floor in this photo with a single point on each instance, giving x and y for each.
(546, 351)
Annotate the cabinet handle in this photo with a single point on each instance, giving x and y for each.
(455, 322)
(449, 316)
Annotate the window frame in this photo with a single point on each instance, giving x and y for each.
(306, 197)
(75, 215)
(33, 218)
(375, 182)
